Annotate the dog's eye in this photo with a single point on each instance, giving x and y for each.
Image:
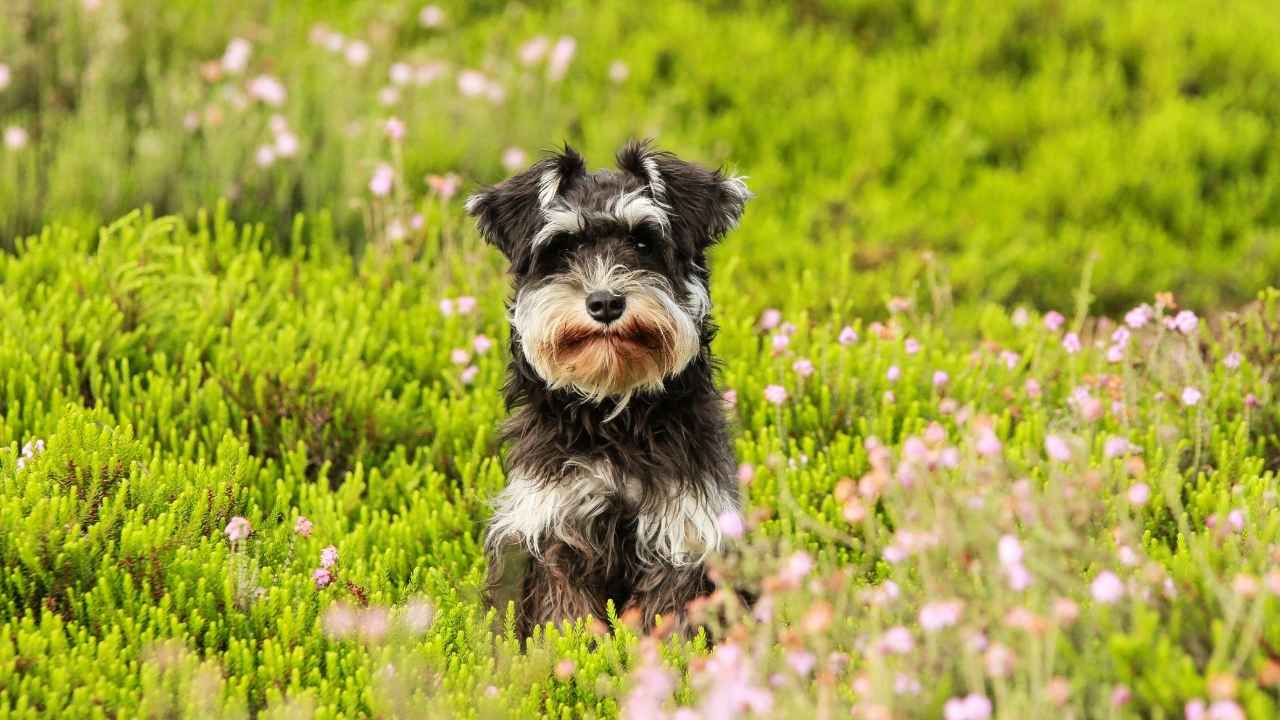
(645, 237)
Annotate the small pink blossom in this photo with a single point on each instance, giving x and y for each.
(400, 74)
(731, 525)
(1225, 710)
(534, 50)
(1232, 360)
(357, 53)
(328, 557)
(513, 158)
(897, 640)
(1121, 695)
(848, 336)
(1053, 320)
(969, 707)
(383, 178)
(893, 373)
(1190, 396)
(15, 138)
(770, 318)
(459, 356)
(561, 56)
(941, 614)
(238, 529)
(472, 83)
(803, 367)
(1032, 388)
(1009, 550)
(431, 16)
(1010, 359)
(287, 144)
(1139, 494)
(321, 577)
(6, 76)
(911, 345)
(1057, 448)
(481, 344)
(446, 307)
(264, 156)
(801, 661)
(797, 566)
(730, 397)
(746, 473)
(1138, 316)
(466, 304)
(1106, 588)
(236, 57)
(394, 128)
(302, 526)
(775, 394)
(446, 186)
(1071, 343)
(1235, 518)
(779, 343)
(268, 90)
(468, 374)
(619, 72)
(940, 379)
(988, 444)
(1186, 322)
(1115, 354)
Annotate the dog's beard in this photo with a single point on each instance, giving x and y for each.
(655, 339)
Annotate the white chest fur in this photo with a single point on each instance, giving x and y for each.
(674, 529)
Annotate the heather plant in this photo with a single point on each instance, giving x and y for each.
(996, 340)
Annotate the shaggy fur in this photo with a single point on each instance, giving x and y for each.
(618, 460)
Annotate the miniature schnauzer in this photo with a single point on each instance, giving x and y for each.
(618, 463)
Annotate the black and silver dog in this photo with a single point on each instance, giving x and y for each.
(618, 464)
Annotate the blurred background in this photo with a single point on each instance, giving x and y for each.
(898, 147)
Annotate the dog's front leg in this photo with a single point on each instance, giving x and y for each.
(561, 585)
(667, 590)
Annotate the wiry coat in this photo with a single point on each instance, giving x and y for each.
(616, 477)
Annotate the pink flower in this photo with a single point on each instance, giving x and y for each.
(236, 57)
(459, 356)
(746, 473)
(897, 640)
(481, 344)
(533, 50)
(1190, 396)
(6, 76)
(472, 83)
(1139, 494)
(265, 156)
(619, 72)
(731, 524)
(468, 374)
(383, 178)
(357, 53)
(446, 307)
(394, 128)
(911, 345)
(513, 158)
(1053, 320)
(329, 557)
(730, 397)
(1236, 519)
(373, 624)
(969, 707)
(1009, 550)
(1120, 336)
(302, 526)
(1225, 710)
(15, 138)
(801, 661)
(988, 444)
(431, 16)
(1138, 316)
(942, 614)
(268, 90)
(1232, 360)
(238, 529)
(446, 186)
(1186, 322)
(400, 74)
(1121, 695)
(803, 367)
(940, 379)
(1115, 353)
(466, 305)
(286, 144)
(769, 319)
(1106, 588)
(321, 577)
(561, 56)
(848, 336)
(775, 394)
(1194, 710)
(1057, 448)
(1020, 317)
(779, 343)
(998, 660)
(1010, 359)
(893, 373)
(1071, 343)
(798, 565)
(1032, 387)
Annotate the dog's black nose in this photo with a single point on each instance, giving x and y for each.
(604, 306)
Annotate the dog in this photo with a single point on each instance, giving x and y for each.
(618, 461)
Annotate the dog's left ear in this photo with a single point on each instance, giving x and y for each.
(704, 204)
(510, 213)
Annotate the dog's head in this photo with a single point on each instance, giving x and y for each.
(609, 266)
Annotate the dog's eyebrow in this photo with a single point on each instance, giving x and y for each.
(636, 207)
(559, 220)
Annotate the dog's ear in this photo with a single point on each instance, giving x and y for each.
(703, 204)
(510, 213)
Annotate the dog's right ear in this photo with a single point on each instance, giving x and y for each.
(510, 213)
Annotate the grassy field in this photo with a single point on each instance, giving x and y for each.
(997, 342)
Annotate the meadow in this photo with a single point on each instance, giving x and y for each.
(998, 339)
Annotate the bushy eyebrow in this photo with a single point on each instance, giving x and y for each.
(628, 210)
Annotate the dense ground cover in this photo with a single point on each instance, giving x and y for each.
(246, 452)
